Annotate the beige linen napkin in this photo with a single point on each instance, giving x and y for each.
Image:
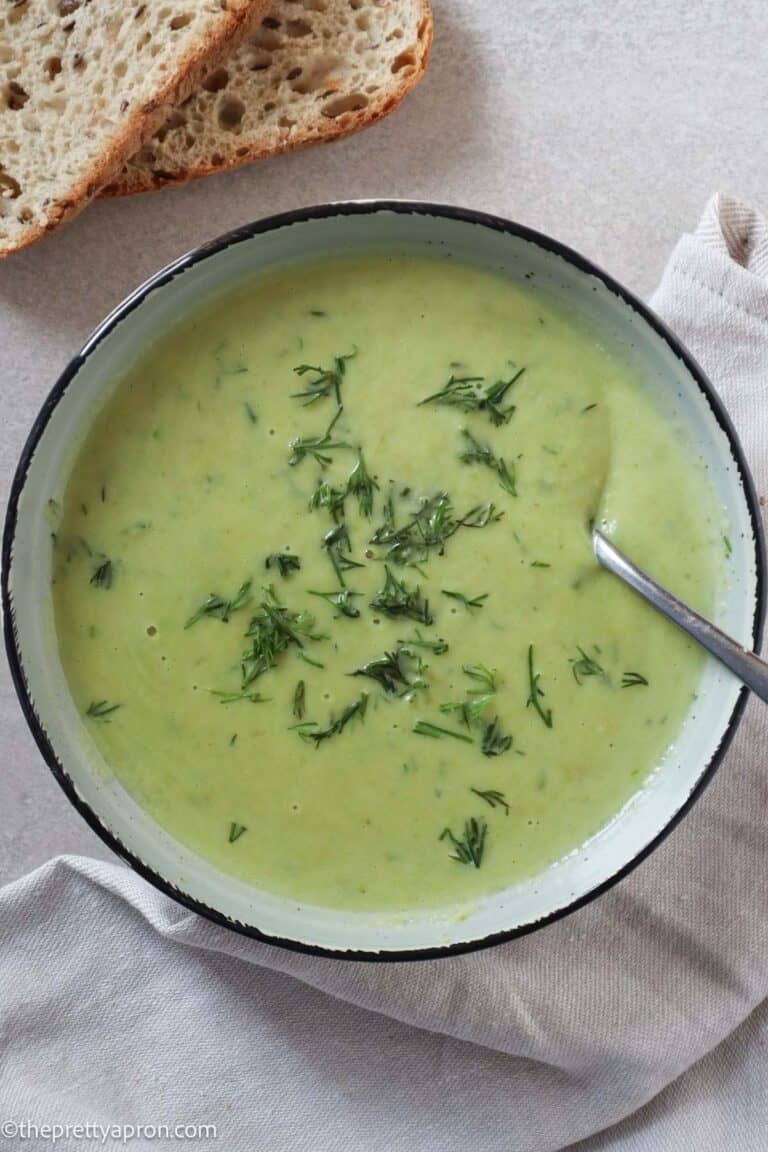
(117, 1005)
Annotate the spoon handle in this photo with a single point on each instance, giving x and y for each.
(750, 669)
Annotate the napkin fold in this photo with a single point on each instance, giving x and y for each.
(118, 1006)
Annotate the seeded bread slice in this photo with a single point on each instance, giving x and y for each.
(315, 70)
(84, 82)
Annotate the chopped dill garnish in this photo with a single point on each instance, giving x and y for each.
(341, 600)
(469, 710)
(308, 659)
(101, 709)
(234, 697)
(233, 740)
(484, 676)
(633, 680)
(476, 453)
(285, 563)
(221, 608)
(317, 447)
(588, 408)
(401, 668)
(473, 707)
(310, 731)
(317, 312)
(438, 647)
(425, 728)
(469, 849)
(540, 564)
(272, 630)
(396, 599)
(337, 545)
(494, 742)
(325, 381)
(103, 494)
(536, 692)
(728, 548)
(253, 418)
(362, 485)
(103, 575)
(473, 602)
(583, 666)
(465, 392)
(493, 798)
(326, 496)
(236, 831)
(300, 700)
(429, 528)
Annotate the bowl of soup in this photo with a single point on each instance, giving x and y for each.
(299, 594)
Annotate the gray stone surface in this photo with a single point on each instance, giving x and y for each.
(604, 122)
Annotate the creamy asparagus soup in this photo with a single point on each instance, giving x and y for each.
(324, 591)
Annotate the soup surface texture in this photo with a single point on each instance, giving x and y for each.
(324, 593)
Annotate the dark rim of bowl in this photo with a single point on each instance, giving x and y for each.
(167, 274)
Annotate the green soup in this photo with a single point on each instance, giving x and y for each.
(324, 591)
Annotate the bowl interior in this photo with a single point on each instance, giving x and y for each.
(677, 391)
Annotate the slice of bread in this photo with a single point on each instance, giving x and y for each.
(84, 82)
(315, 70)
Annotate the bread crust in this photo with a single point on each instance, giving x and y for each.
(144, 122)
(325, 131)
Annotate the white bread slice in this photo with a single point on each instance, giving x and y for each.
(83, 83)
(315, 70)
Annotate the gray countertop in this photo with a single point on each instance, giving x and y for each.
(607, 123)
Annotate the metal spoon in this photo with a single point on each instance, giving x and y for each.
(750, 669)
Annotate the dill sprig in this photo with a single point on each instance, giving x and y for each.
(402, 668)
(494, 742)
(326, 496)
(236, 831)
(272, 630)
(483, 675)
(397, 599)
(584, 666)
(428, 529)
(633, 680)
(285, 563)
(101, 709)
(220, 607)
(300, 700)
(103, 574)
(467, 601)
(425, 728)
(325, 381)
(470, 848)
(493, 798)
(536, 692)
(472, 708)
(301, 654)
(466, 393)
(475, 452)
(469, 710)
(233, 697)
(318, 446)
(362, 485)
(310, 731)
(438, 647)
(341, 600)
(337, 545)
